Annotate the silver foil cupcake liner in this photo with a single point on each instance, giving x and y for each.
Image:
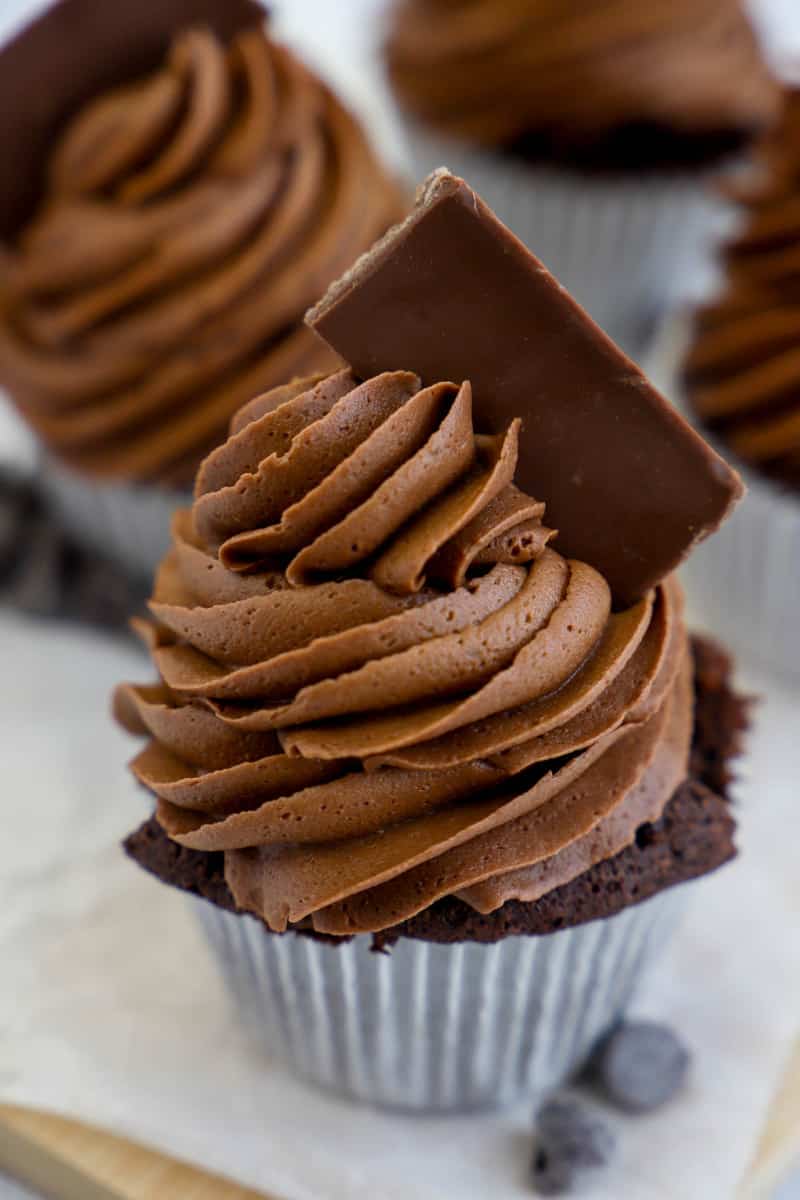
(626, 247)
(127, 523)
(431, 1027)
(743, 583)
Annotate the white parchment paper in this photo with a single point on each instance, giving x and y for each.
(110, 1009)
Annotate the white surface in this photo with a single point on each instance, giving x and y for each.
(790, 1189)
(778, 23)
(110, 1010)
(16, 443)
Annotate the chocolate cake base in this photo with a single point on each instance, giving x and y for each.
(693, 836)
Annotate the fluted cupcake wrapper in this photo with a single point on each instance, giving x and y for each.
(625, 246)
(431, 1027)
(128, 524)
(744, 582)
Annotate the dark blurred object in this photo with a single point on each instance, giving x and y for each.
(44, 574)
(74, 50)
(640, 1066)
(570, 1136)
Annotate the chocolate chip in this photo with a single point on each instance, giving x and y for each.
(552, 1174)
(569, 1136)
(641, 1065)
(576, 1131)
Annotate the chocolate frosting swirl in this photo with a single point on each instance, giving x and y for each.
(379, 683)
(189, 221)
(497, 71)
(743, 369)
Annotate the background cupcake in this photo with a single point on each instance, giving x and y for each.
(590, 129)
(742, 383)
(185, 222)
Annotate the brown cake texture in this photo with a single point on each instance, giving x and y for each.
(693, 836)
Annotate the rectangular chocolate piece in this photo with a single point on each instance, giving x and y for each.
(453, 295)
(74, 50)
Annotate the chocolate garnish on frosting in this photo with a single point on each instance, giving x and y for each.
(380, 683)
(571, 77)
(628, 484)
(188, 218)
(743, 368)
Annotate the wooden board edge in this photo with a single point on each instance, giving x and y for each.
(69, 1160)
(778, 1148)
(31, 1160)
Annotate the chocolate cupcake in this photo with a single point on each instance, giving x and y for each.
(741, 378)
(393, 710)
(590, 129)
(187, 218)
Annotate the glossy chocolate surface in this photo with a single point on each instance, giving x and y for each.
(452, 294)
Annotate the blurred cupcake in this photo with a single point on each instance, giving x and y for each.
(390, 713)
(742, 377)
(589, 129)
(187, 220)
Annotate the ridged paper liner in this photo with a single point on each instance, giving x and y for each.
(625, 246)
(432, 1027)
(127, 523)
(743, 583)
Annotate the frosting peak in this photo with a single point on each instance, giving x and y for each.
(188, 221)
(332, 476)
(379, 683)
